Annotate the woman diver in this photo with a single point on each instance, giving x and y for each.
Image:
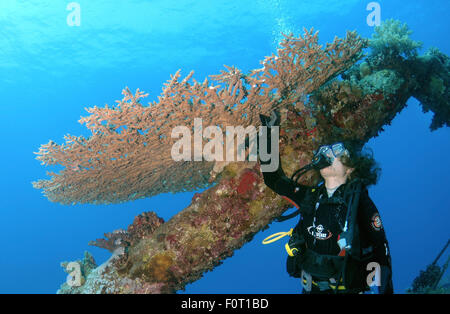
(339, 244)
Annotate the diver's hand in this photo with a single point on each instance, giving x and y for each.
(273, 120)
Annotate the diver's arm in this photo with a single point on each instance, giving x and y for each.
(277, 180)
(371, 222)
(281, 184)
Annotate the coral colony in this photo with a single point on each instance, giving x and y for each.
(323, 93)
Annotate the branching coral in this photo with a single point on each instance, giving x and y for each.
(392, 38)
(143, 226)
(114, 240)
(394, 64)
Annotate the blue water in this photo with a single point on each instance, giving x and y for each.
(49, 72)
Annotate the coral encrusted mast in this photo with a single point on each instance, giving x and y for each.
(323, 92)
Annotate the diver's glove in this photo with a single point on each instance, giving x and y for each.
(273, 120)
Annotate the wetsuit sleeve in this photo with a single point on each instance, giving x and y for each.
(371, 225)
(278, 181)
(281, 184)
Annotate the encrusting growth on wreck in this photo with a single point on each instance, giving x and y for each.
(322, 92)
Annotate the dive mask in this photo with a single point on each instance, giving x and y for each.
(325, 154)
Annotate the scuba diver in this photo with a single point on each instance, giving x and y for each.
(339, 244)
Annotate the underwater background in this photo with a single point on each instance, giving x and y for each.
(50, 72)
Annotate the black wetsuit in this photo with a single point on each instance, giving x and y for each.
(321, 223)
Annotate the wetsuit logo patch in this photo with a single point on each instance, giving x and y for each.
(376, 222)
(317, 232)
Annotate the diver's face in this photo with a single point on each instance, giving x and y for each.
(336, 169)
